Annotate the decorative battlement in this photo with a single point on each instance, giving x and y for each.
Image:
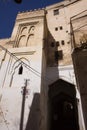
(29, 14)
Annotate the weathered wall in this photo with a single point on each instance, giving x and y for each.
(12, 83)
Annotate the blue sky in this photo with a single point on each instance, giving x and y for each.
(9, 10)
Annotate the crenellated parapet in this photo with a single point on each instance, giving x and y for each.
(30, 14)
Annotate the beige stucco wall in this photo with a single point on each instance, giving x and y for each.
(11, 83)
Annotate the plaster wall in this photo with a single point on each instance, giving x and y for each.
(12, 83)
(11, 90)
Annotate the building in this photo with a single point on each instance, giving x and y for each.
(38, 89)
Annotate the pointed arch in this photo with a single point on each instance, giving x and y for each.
(22, 41)
(21, 61)
(31, 29)
(63, 111)
(24, 30)
(19, 72)
(30, 40)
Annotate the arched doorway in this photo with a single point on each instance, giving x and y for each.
(63, 113)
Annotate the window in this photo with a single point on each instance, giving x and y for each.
(56, 11)
(20, 70)
(68, 42)
(52, 44)
(56, 29)
(58, 55)
(57, 43)
(62, 42)
(61, 28)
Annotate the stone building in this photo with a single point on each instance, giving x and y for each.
(38, 89)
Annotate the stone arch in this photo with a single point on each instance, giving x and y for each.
(63, 112)
(15, 71)
(24, 30)
(31, 29)
(22, 41)
(30, 40)
(21, 60)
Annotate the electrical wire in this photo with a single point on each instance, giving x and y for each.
(26, 65)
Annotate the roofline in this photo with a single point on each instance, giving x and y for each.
(61, 4)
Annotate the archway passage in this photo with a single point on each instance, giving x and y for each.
(63, 114)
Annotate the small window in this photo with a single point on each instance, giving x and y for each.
(56, 29)
(62, 42)
(52, 44)
(20, 70)
(56, 11)
(57, 43)
(58, 55)
(61, 28)
(68, 42)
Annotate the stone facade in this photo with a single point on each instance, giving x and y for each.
(35, 61)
